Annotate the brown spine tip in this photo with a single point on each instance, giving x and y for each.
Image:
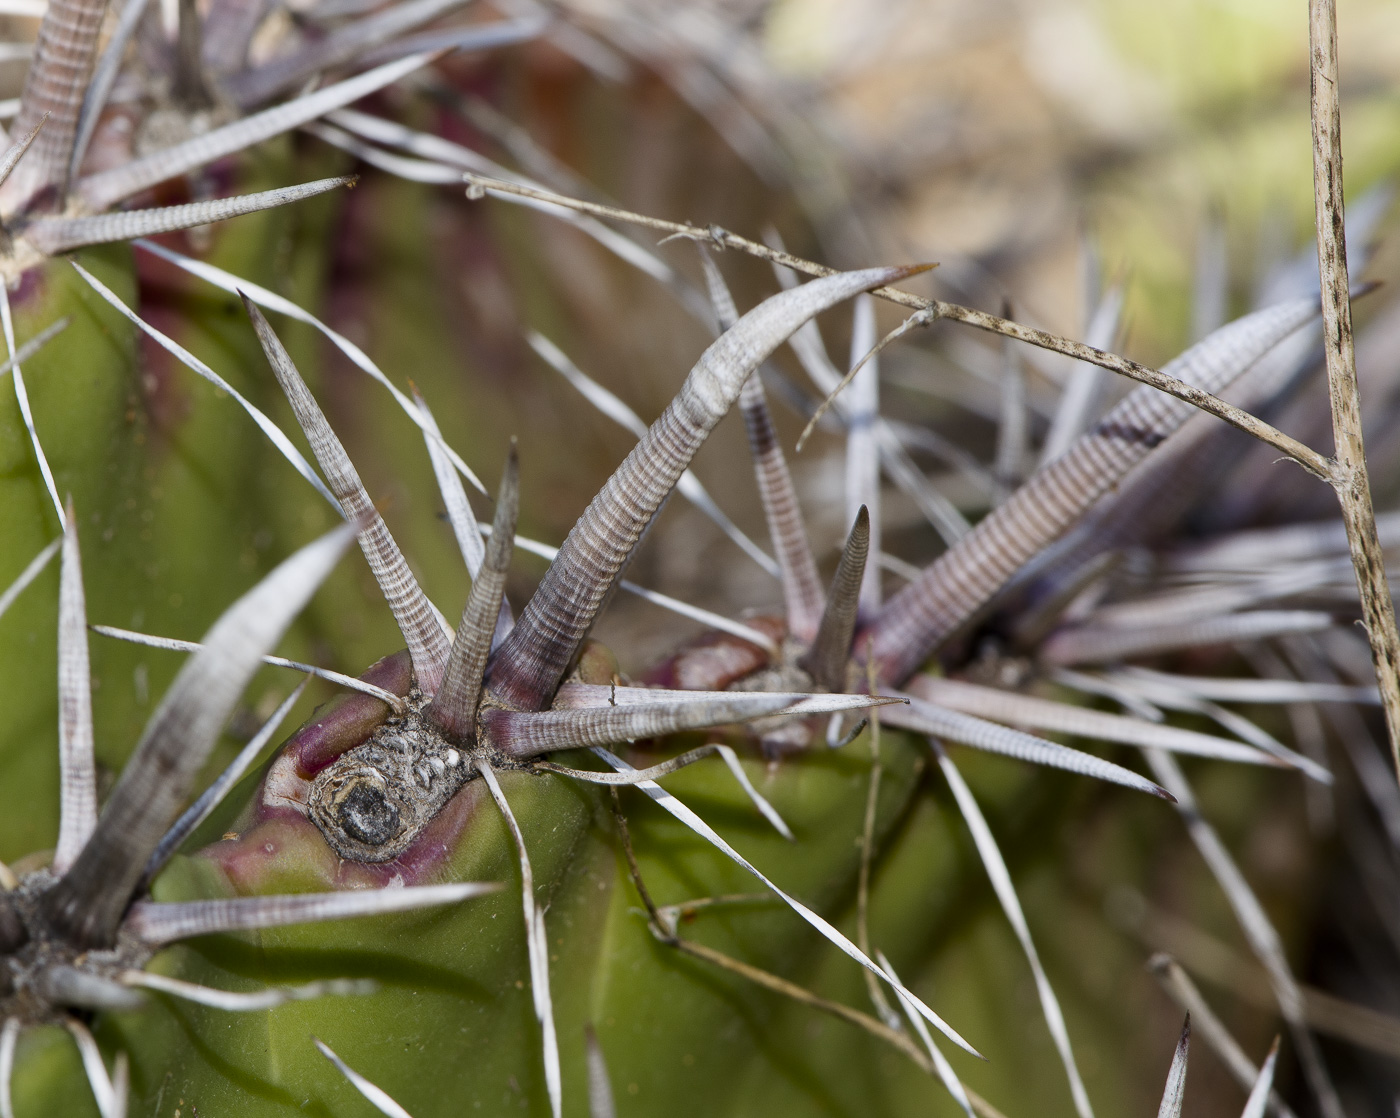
(905, 271)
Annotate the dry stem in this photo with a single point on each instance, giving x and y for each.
(1348, 472)
(1301, 453)
(867, 851)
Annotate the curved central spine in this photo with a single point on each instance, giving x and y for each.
(532, 662)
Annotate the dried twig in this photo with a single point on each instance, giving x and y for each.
(1348, 474)
(1309, 459)
(867, 853)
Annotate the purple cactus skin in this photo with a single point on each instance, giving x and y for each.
(274, 829)
(274, 834)
(716, 661)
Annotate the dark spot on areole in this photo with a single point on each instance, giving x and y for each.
(373, 801)
(367, 815)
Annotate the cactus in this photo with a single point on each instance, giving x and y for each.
(665, 958)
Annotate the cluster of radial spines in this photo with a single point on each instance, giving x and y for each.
(537, 654)
(946, 599)
(1013, 544)
(483, 709)
(817, 647)
(497, 703)
(956, 589)
(75, 935)
(49, 205)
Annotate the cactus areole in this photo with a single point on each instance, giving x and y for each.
(375, 799)
(75, 935)
(46, 973)
(372, 790)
